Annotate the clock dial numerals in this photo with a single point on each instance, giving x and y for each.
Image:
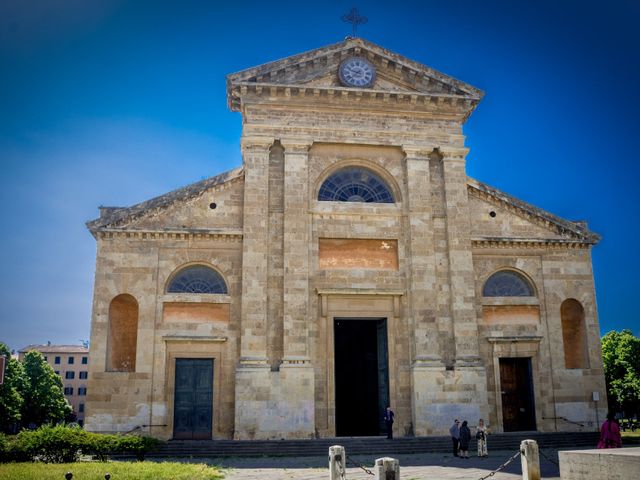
(357, 72)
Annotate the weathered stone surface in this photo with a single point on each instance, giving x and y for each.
(293, 264)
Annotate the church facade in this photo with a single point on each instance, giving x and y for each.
(349, 264)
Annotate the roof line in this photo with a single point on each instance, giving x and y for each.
(578, 229)
(114, 216)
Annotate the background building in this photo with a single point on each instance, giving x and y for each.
(350, 264)
(71, 362)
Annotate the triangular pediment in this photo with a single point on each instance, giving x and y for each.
(499, 217)
(319, 69)
(207, 205)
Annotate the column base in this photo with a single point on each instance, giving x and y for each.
(275, 404)
(441, 395)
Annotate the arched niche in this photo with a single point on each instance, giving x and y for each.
(123, 334)
(574, 334)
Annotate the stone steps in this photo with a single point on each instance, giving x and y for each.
(363, 445)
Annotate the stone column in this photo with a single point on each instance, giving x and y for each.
(253, 343)
(296, 252)
(461, 275)
(253, 393)
(427, 367)
(421, 259)
(296, 379)
(465, 388)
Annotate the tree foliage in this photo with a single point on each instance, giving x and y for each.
(11, 390)
(44, 401)
(621, 356)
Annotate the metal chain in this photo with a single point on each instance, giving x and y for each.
(501, 467)
(545, 456)
(356, 464)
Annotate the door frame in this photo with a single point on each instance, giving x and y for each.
(354, 303)
(208, 348)
(516, 347)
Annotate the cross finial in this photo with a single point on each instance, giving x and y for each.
(355, 19)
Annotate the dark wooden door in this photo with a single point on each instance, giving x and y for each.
(516, 383)
(193, 404)
(383, 372)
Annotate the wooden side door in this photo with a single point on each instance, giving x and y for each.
(193, 403)
(516, 383)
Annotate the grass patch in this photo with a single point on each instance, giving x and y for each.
(118, 470)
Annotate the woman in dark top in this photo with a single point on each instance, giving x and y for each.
(465, 438)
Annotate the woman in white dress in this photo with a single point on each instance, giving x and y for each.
(481, 436)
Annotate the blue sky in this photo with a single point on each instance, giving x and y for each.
(111, 103)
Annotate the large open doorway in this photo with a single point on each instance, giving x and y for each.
(193, 404)
(516, 384)
(361, 376)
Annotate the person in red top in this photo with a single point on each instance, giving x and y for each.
(610, 433)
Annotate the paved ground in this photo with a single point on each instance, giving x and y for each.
(432, 466)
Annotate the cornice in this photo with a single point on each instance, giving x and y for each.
(527, 243)
(231, 235)
(272, 91)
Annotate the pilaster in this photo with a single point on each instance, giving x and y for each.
(461, 279)
(253, 347)
(421, 259)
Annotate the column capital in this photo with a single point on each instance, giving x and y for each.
(417, 152)
(256, 143)
(296, 146)
(453, 153)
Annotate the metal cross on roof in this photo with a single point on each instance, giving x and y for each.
(355, 19)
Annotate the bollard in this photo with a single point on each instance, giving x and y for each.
(337, 462)
(530, 460)
(387, 469)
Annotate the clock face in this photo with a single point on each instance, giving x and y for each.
(357, 72)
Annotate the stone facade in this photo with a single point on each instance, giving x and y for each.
(294, 265)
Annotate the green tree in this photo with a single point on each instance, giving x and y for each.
(11, 400)
(621, 356)
(44, 401)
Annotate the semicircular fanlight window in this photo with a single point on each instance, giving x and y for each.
(507, 283)
(197, 279)
(353, 184)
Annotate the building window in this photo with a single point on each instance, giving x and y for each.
(85, 360)
(355, 184)
(83, 375)
(56, 360)
(82, 391)
(507, 283)
(81, 422)
(197, 279)
(68, 390)
(574, 334)
(123, 334)
(81, 408)
(57, 372)
(70, 375)
(46, 358)
(71, 360)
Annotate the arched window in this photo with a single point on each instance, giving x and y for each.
(574, 334)
(197, 279)
(507, 283)
(355, 184)
(123, 334)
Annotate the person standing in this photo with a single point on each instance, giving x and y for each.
(389, 416)
(455, 436)
(610, 433)
(481, 436)
(465, 438)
